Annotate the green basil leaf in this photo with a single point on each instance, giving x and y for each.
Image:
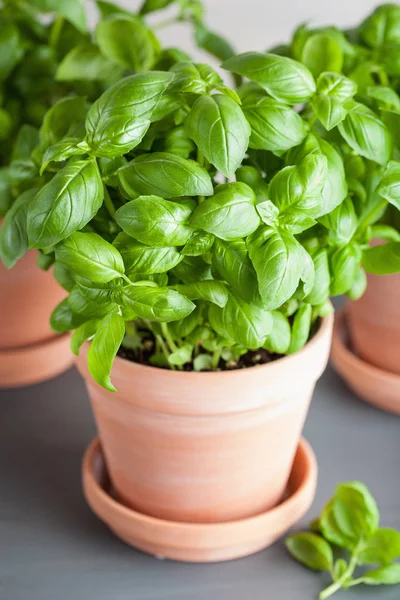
(127, 41)
(5, 191)
(178, 142)
(119, 119)
(334, 190)
(389, 187)
(200, 243)
(283, 78)
(229, 214)
(165, 175)
(278, 260)
(84, 332)
(154, 221)
(385, 97)
(62, 319)
(90, 256)
(203, 362)
(13, 233)
(187, 79)
(382, 260)
(72, 10)
(219, 128)
(389, 575)
(366, 134)
(181, 356)
(310, 550)
(336, 86)
(382, 26)
(210, 290)
(109, 8)
(157, 304)
(389, 56)
(300, 328)
(329, 110)
(341, 223)
(344, 263)
(64, 276)
(184, 327)
(243, 323)
(320, 290)
(60, 119)
(149, 6)
(11, 48)
(268, 212)
(26, 142)
(322, 52)
(104, 347)
(213, 43)
(278, 340)
(274, 125)
(254, 179)
(232, 262)
(139, 258)
(296, 191)
(65, 204)
(85, 62)
(91, 300)
(60, 152)
(192, 269)
(381, 548)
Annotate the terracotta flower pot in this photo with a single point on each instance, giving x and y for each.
(205, 447)
(29, 350)
(374, 323)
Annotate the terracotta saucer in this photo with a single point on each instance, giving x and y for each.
(33, 364)
(199, 542)
(378, 387)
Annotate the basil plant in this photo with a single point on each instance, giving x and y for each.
(197, 226)
(358, 104)
(44, 61)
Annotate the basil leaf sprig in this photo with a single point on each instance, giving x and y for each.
(347, 542)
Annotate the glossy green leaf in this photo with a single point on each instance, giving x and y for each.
(91, 300)
(65, 204)
(62, 319)
(300, 328)
(278, 340)
(344, 263)
(381, 548)
(90, 256)
(389, 187)
(219, 128)
(85, 62)
(341, 223)
(322, 279)
(83, 333)
(366, 134)
(127, 41)
(321, 52)
(60, 119)
(213, 43)
(382, 260)
(140, 258)
(274, 125)
(329, 110)
(187, 79)
(104, 347)
(389, 575)
(247, 324)
(154, 221)
(311, 550)
(165, 175)
(119, 119)
(278, 261)
(61, 151)
(229, 214)
(199, 243)
(232, 262)
(283, 78)
(382, 26)
(72, 10)
(157, 304)
(13, 230)
(336, 86)
(210, 290)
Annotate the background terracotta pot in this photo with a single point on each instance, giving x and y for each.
(374, 323)
(29, 350)
(205, 447)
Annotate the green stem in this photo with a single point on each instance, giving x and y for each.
(56, 31)
(216, 357)
(167, 334)
(369, 218)
(337, 585)
(159, 341)
(108, 203)
(166, 23)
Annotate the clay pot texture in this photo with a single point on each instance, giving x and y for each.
(205, 447)
(374, 323)
(27, 297)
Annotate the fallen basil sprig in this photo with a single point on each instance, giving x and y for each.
(346, 541)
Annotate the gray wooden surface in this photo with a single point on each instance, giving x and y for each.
(53, 548)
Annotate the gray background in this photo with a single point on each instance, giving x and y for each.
(53, 548)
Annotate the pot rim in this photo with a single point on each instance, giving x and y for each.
(325, 326)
